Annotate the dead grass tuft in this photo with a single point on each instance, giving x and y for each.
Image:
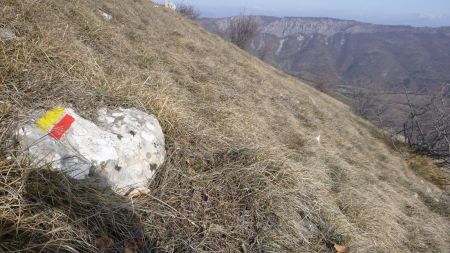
(46, 211)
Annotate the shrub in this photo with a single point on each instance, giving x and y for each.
(242, 29)
(188, 11)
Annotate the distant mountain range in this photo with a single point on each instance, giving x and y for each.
(349, 53)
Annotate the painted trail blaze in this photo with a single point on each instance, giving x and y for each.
(49, 119)
(52, 120)
(61, 127)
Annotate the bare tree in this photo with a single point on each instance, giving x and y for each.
(242, 29)
(427, 128)
(364, 102)
(440, 138)
(188, 10)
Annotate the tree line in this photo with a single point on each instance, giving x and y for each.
(426, 122)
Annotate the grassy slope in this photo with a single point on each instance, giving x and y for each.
(244, 172)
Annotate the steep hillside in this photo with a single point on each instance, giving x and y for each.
(244, 172)
(369, 67)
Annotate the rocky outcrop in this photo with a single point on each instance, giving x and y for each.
(304, 26)
(170, 5)
(124, 149)
(291, 26)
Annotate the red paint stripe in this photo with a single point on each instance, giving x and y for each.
(61, 127)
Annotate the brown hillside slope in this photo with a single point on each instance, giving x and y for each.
(244, 171)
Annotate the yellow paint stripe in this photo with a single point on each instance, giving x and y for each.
(49, 119)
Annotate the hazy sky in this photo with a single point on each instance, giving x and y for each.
(409, 12)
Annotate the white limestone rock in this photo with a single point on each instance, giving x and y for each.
(125, 149)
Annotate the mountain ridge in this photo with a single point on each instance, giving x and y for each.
(266, 19)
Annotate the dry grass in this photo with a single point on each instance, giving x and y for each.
(243, 172)
(45, 211)
(426, 168)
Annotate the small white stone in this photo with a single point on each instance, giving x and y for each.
(6, 34)
(106, 15)
(170, 5)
